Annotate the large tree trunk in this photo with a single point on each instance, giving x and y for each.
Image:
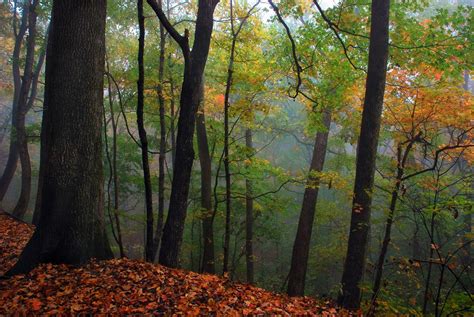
(208, 261)
(354, 265)
(249, 256)
(23, 103)
(299, 259)
(71, 226)
(13, 153)
(149, 254)
(195, 62)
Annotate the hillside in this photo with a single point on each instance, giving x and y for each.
(132, 286)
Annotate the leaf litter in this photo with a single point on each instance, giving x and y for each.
(124, 286)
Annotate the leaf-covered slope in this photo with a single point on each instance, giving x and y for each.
(131, 286)
(13, 237)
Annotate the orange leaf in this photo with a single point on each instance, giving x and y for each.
(36, 304)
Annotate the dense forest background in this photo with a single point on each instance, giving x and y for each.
(277, 128)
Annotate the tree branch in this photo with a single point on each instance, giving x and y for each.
(335, 29)
(180, 39)
(298, 67)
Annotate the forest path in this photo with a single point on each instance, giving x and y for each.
(131, 286)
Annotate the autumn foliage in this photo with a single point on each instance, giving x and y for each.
(13, 237)
(129, 287)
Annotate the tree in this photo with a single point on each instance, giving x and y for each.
(194, 64)
(366, 154)
(162, 154)
(208, 260)
(24, 104)
(235, 30)
(25, 94)
(418, 115)
(299, 259)
(249, 214)
(112, 161)
(326, 85)
(71, 225)
(149, 247)
(13, 154)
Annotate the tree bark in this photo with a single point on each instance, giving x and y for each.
(249, 256)
(208, 260)
(299, 259)
(23, 103)
(194, 64)
(354, 265)
(71, 225)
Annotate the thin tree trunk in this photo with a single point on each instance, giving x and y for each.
(299, 259)
(116, 182)
(4, 128)
(71, 227)
(228, 202)
(230, 69)
(416, 243)
(440, 286)
(39, 66)
(401, 161)
(467, 218)
(23, 103)
(227, 163)
(143, 137)
(162, 155)
(249, 256)
(172, 100)
(354, 265)
(385, 244)
(172, 120)
(426, 295)
(111, 172)
(13, 153)
(208, 261)
(114, 171)
(37, 71)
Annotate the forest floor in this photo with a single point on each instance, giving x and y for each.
(126, 286)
